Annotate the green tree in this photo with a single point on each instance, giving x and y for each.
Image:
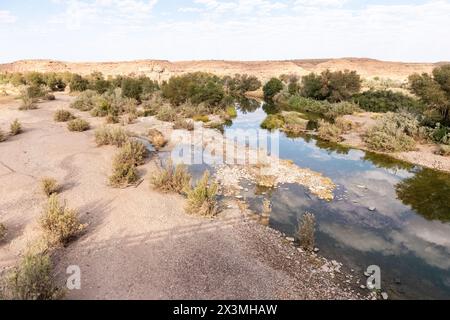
(132, 88)
(271, 88)
(434, 90)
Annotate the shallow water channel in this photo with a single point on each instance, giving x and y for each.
(385, 212)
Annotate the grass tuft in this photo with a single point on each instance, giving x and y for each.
(78, 125)
(202, 199)
(63, 116)
(171, 179)
(50, 186)
(306, 231)
(157, 139)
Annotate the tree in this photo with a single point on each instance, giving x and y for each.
(332, 86)
(434, 90)
(131, 88)
(78, 83)
(271, 88)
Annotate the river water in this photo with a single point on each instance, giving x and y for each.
(385, 212)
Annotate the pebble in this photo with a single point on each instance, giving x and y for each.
(362, 286)
(372, 209)
(384, 295)
(316, 250)
(290, 239)
(366, 274)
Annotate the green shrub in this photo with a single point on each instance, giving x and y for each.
(306, 231)
(393, 133)
(85, 101)
(78, 83)
(294, 123)
(183, 124)
(201, 118)
(332, 86)
(329, 131)
(60, 223)
(307, 105)
(49, 186)
(273, 121)
(171, 179)
(132, 88)
(32, 279)
(271, 88)
(63, 116)
(231, 112)
(131, 155)
(156, 139)
(340, 109)
(202, 199)
(78, 125)
(3, 232)
(386, 101)
(108, 135)
(15, 128)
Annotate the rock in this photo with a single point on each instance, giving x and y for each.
(366, 274)
(316, 250)
(290, 239)
(384, 295)
(362, 286)
(372, 209)
(397, 281)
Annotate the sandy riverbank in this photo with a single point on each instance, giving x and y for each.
(140, 244)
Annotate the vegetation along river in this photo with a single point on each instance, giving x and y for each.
(385, 212)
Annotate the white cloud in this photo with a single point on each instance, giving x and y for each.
(320, 3)
(7, 17)
(111, 12)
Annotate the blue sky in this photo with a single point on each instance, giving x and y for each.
(95, 30)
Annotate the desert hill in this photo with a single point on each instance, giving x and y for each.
(163, 69)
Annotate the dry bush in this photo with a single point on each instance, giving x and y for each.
(171, 179)
(49, 97)
(329, 132)
(109, 135)
(32, 279)
(63, 116)
(3, 231)
(306, 231)
(60, 223)
(183, 124)
(444, 150)
(131, 155)
(267, 181)
(49, 186)
(28, 103)
(3, 136)
(157, 139)
(129, 118)
(78, 125)
(202, 199)
(167, 113)
(394, 132)
(85, 101)
(15, 127)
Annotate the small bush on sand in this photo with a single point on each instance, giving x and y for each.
(28, 103)
(3, 136)
(306, 231)
(444, 150)
(231, 111)
(85, 101)
(340, 109)
(166, 113)
(157, 139)
(3, 231)
(49, 186)
(78, 125)
(108, 135)
(131, 155)
(183, 124)
(394, 132)
(63, 116)
(32, 279)
(15, 127)
(171, 179)
(49, 97)
(60, 223)
(329, 131)
(202, 199)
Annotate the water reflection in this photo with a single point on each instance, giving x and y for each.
(428, 193)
